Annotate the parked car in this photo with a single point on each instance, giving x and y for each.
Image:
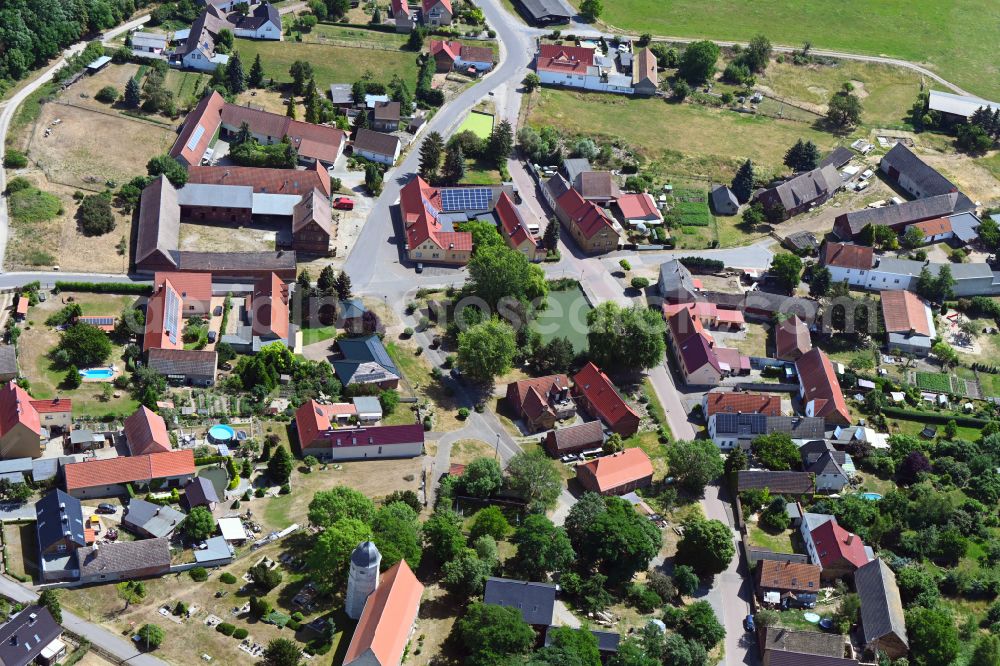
(420, 268)
(217, 311)
(343, 203)
(211, 336)
(748, 624)
(104, 507)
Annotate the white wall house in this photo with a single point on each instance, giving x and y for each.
(855, 277)
(811, 521)
(204, 60)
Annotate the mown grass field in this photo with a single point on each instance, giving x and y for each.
(680, 139)
(944, 36)
(331, 64)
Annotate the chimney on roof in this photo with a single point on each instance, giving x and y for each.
(850, 539)
(32, 619)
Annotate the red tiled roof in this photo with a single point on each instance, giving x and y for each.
(390, 611)
(564, 59)
(706, 310)
(191, 286)
(429, 5)
(451, 49)
(601, 394)
(315, 425)
(515, 231)
(53, 406)
(312, 141)
(146, 432)
(586, 215)
(265, 181)
(619, 469)
(941, 225)
(400, 8)
(742, 403)
(419, 206)
(157, 335)
(820, 383)
(904, 312)
(128, 469)
(791, 576)
(848, 256)
(834, 543)
(636, 206)
(518, 392)
(15, 408)
(207, 115)
(792, 335)
(270, 307)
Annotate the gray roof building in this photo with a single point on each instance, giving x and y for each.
(883, 625)
(804, 190)
(364, 353)
(152, 520)
(574, 166)
(124, 559)
(607, 641)
(803, 648)
(190, 364)
(838, 157)
(8, 362)
(15, 465)
(919, 178)
(159, 223)
(965, 226)
(26, 635)
(779, 483)
(217, 551)
(724, 201)
(59, 516)
(200, 492)
(676, 284)
(849, 225)
(536, 601)
(546, 12)
(376, 142)
(223, 196)
(341, 94)
(960, 106)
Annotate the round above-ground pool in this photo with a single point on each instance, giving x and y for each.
(874, 497)
(221, 434)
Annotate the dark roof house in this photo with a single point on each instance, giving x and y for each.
(575, 438)
(536, 601)
(918, 178)
(779, 483)
(676, 284)
(200, 492)
(883, 625)
(365, 361)
(27, 635)
(151, 520)
(801, 192)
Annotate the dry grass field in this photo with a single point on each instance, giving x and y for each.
(220, 238)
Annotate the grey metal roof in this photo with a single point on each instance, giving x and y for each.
(958, 105)
(676, 282)
(58, 516)
(26, 634)
(814, 520)
(15, 465)
(274, 204)
(547, 10)
(43, 469)
(8, 360)
(535, 600)
(341, 93)
(160, 521)
(927, 179)
(123, 557)
(722, 196)
(574, 166)
(200, 492)
(217, 549)
(148, 40)
(838, 157)
(804, 642)
(926, 208)
(204, 194)
(366, 404)
(362, 350)
(899, 266)
(965, 226)
(12, 477)
(366, 555)
(881, 606)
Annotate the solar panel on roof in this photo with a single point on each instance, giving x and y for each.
(465, 198)
(171, 315)
(98, 321)
(196, 135)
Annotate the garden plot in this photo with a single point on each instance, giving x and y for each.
(939, 382)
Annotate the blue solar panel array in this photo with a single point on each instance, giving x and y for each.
(98, 321)
(172, 315)
(742, 424)
(465, 198)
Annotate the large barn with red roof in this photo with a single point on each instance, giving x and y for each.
(20, 426)
(598, 396)
(109, 477)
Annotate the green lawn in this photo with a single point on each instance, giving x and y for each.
(481, 172)
(33, 205)
(565, 316)
(314, 335)
(331, 64)
(991, 163)
(480, 124)
(943, 36)
(779, 543)
(674, 139)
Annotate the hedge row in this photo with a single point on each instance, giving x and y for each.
(208, 460)
(702, 264)
(932, 417)
(105, 288)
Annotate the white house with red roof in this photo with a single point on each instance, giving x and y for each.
(848, 263)
(820, 389)
(436, 13)
(449, 55)
(641, 207)
(591, 227)
(20, 426)
(515, 231)
(836, 551)
(108, 477)
(321, 435)
(54, 413)
(430, 233)
(581, 67)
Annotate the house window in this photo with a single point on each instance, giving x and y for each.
(897, 281)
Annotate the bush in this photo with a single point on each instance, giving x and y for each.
(702, 265)
(240, 633)
(95, 215)
(199, 574)
(227, 578)
(285, 489)
(259, 492)
(107, 94)
(463, 413)
(17, 184)
(639, 282)
(15, 159)
(127, 288)
(225, 629)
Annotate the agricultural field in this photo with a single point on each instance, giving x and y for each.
(929, 33)
(331, 64)
(683, 140)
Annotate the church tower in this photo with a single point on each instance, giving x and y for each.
(363, 578)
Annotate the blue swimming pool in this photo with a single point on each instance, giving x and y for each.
(221, 433)
(874, 497)
(98, 373)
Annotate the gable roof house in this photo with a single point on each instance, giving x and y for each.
(192, 367)
(401, 16)
(724, 201)
(848, 263)
(676, 284)
(731, 430)
(831, 468)
(597, 186)
(788, 579)
(262, 22)
(535, 601)
(791, 338)
(21, 431)
(909, 323)
(159, 226)
(312, 224)
(918, 178)
(376, 146)
(839, 552)
(779, 483)
(791, 647)
(8, 363)
(513, 228)
(195, 290)
(60, 530)
(819, 388)
(801, 193)
(200, 491)
(164, 318)
(365, 361)
(146, 432)
(564, 65)
(265, 181)
(108, 477)
(702, 363)
(388, 619)
(848, 226)
(198, 51)
(319, 435)
(883, 625)
(430, 232)
(575, 438)
(592, 229)
(640, 207)
(645, 80)
(151, 520)
(436, 12)
(741, 402)
(449, 55)
(385, 116)
(124, 560)
(269, 312)
(541, 402)
(598, 397)
(616, 474)
(31, 636)
(709, 314)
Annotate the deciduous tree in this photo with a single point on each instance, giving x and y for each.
(486, 349)
(697, 63)
(626, 338)
(533, 477)
(694, 463)
(707, 546)
(329, 506)
(490, 633)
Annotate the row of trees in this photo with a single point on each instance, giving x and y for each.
(445, 164)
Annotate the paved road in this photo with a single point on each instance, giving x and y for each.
(111, 641)
(10, 108)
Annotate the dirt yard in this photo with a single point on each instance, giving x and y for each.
(971, 177)
(59, 242)
(88, 148)
(219, 238)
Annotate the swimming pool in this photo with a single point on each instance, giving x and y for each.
(221, 433)
(98, 373)
(874, 497)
